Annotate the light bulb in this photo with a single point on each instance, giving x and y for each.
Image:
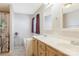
(68, 5)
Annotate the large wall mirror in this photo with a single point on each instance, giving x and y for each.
(71, 16)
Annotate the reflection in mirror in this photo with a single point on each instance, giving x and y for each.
(71, 16)
(48, 23)
(35, 25)
(71, 20)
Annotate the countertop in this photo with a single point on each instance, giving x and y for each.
(60, 43)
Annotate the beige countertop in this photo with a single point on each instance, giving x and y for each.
(60, 43)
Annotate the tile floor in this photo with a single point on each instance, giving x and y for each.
(19, 51)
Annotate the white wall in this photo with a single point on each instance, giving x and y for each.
(25, 8)
(22, 25)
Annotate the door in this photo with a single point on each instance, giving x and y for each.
(4, 32)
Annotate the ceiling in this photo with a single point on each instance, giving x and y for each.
(26, 8)
(4, 7)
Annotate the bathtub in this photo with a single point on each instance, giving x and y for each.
(28, 46)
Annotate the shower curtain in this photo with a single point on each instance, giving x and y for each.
(4, 32)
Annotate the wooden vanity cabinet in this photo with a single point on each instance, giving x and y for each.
(42, 49)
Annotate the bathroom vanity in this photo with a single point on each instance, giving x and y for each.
(42, 49)
(53, 46)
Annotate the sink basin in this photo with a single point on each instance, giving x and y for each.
(76, 43)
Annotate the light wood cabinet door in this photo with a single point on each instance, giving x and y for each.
(41, 48)
(50, 51)
(35, 52)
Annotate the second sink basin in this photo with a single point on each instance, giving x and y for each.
(76, 43)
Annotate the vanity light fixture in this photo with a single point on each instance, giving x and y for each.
(67, 5)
